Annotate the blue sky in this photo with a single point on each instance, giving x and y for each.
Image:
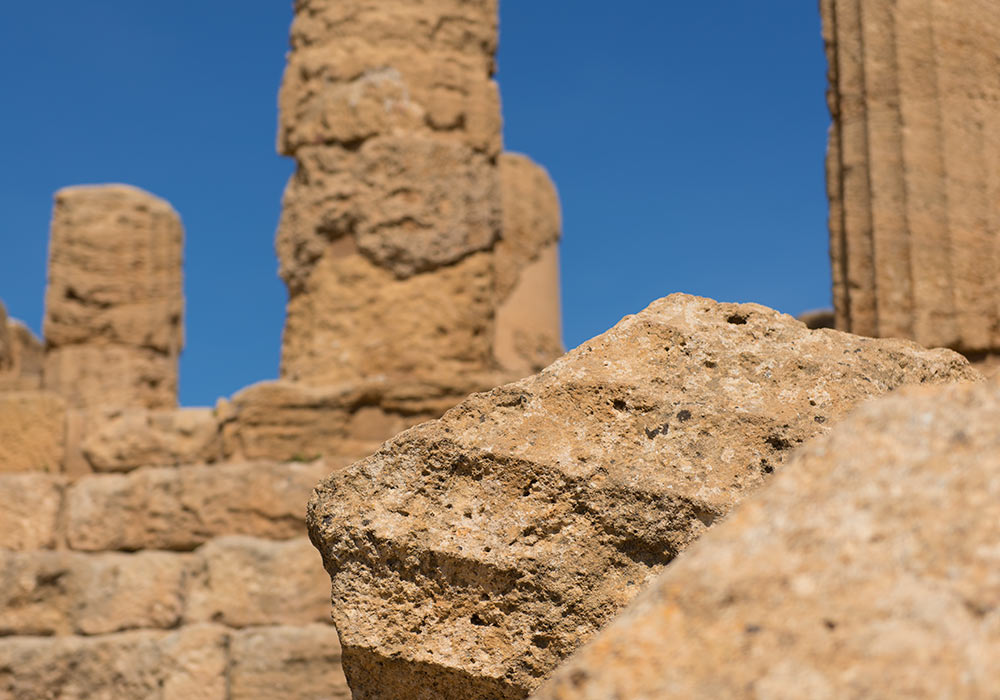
(686, 140)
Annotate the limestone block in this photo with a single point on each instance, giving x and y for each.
(244, 581)
(180, 508)
(529, 317)
(287, 663)
(32, 432)
(914, 150)
(29, 510)
(470, 555)
(868, 568)
(286, 420)
(130, 438)
(189, 664)
(49, 592)
(21, 356)
(419, 328)
(114, 302)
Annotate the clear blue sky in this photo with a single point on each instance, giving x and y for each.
(686, 140)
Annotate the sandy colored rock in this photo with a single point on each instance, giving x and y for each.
(50, 592)
(130, 438)
(868, 568)
(181, 508)
(286, 420)
(21, 355)
(287, 663)
(244, 581)
(915, 143)
(471, 554)
(529, 315)
(32, 432)
(818, 318)
(29, 510)
(114, 302)
(186, 665)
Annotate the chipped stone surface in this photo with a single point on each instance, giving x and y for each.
(130, 438)
(21, 355)
(915, 142)
(114, 302)
(184, 665)
(868, 568)
(287, 663)
(180, 508)
(245, 581)
(471, 554)
(29, 510)
(32, 432)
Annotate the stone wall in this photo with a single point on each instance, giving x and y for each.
(912, 169)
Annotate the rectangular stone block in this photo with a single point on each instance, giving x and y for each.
(60, 592)
(244, 581)
(186, 665)
(32, 432)
(287, 663)
(181, 508)
(29, 509)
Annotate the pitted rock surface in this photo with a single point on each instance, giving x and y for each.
(472, 554)
(868, 568)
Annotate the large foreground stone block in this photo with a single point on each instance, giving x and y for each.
(470, 555)
(186, 665)
(180, 508)
(32, 432)
(869, 568)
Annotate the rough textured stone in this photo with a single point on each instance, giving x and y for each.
(914, 152)
(186, 665)
(471, 554)
(286, 420)
(114, 302)
(32, 432)
(51, 592)
(21, 355)
(529, 317)
(29, 510)
(130, 438)
(287, 663)
(244, 581)
(180, 508)
(868, 568)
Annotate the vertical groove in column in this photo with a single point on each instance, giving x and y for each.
(925, 176)
(854, 157)
(834, 168)
(890, 235)
(991, 138)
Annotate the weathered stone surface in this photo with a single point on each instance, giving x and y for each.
(21, 355)
(130, 438)
(914, 152)
(287, 663)
(186, 665)
(114, 302)
(244, 581)
(29, 510)
(868, 568)
(529, 317)
(49, 592)
(180, 508)
(287, 420)
(471, 554)
(32, 432)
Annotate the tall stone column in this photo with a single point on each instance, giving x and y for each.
(388, 236)
(114, 305)
(914, 169)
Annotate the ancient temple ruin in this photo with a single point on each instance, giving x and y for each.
(913, 167)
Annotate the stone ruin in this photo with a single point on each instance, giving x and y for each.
(655, 504)
(152, 551)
